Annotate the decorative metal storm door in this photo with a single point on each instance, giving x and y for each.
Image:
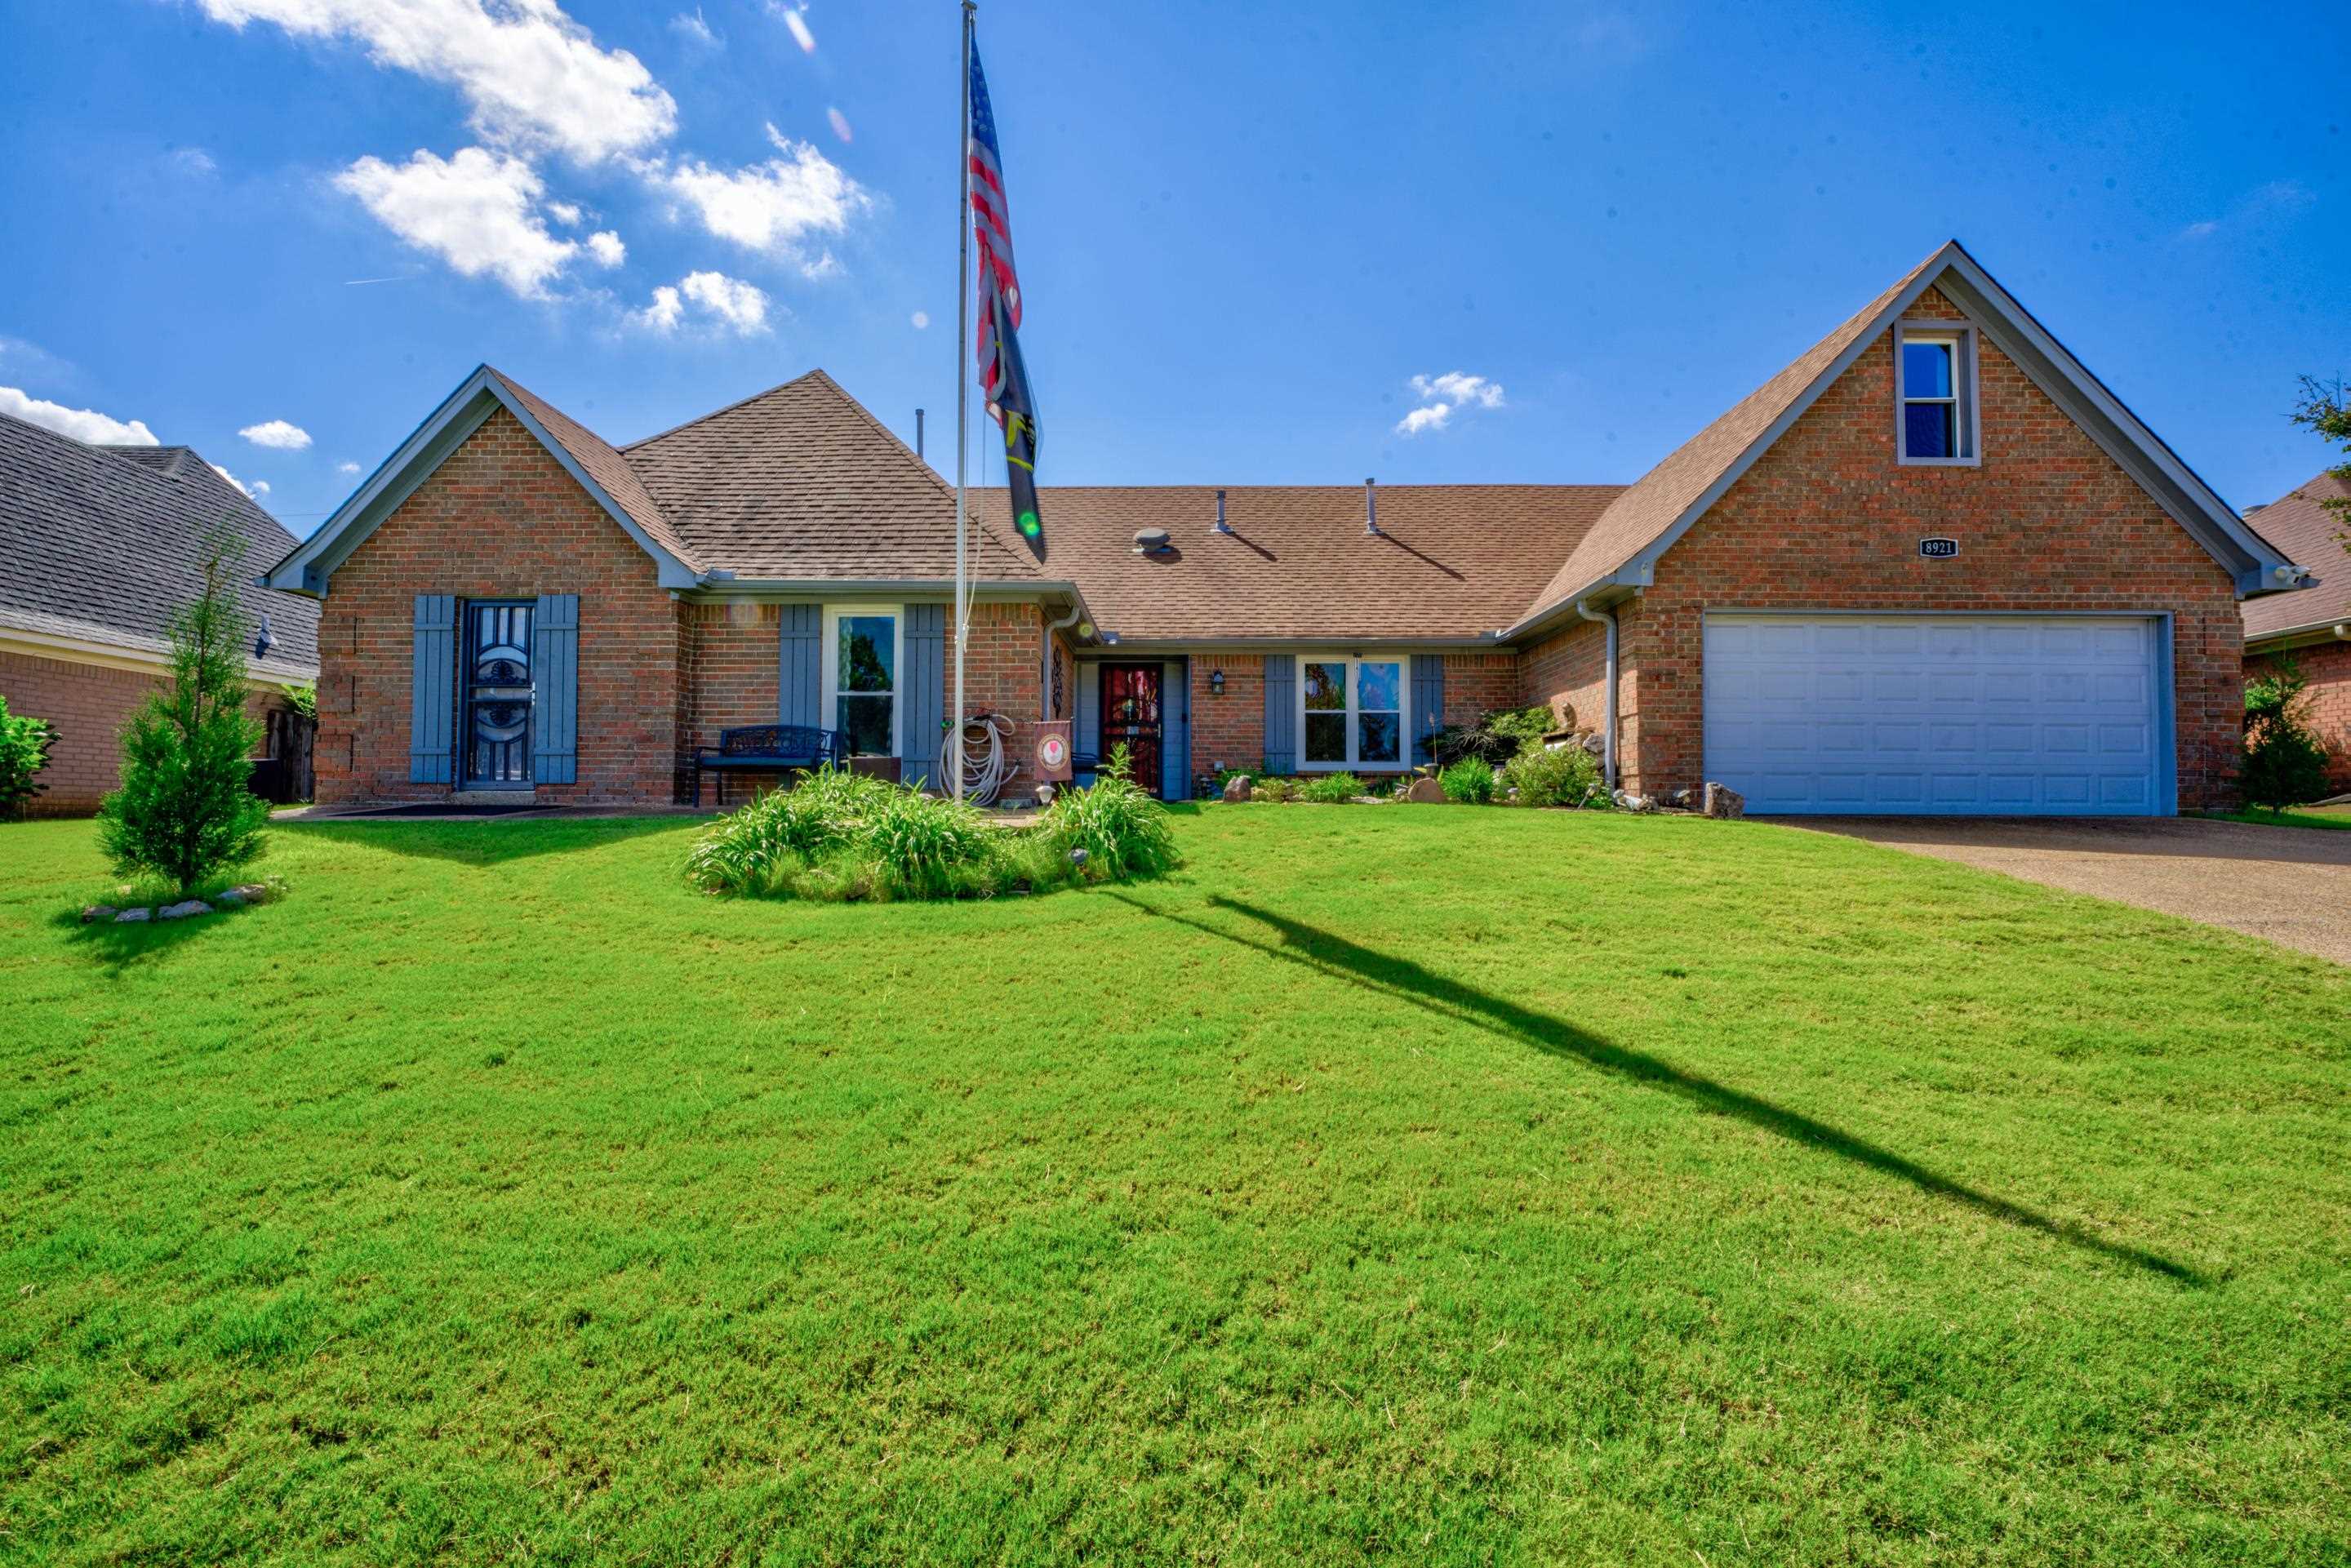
(1129, 714)
(497, 694)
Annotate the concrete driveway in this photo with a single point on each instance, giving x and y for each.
(2291, 885)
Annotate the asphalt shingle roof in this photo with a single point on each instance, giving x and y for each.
(2308, 535)
(103, 544)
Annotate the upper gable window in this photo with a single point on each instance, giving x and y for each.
(1934, 368)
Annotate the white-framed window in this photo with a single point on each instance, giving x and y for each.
(864, 648)
(1935, 391)
(1351, 712)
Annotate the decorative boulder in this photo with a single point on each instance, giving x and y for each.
(129, 915)
(1635, 803)
(1721, 801)
(1236, 788)
(1425, 792)
(1593, 741)
(97, 912)
(1676, 799)
(183, 909)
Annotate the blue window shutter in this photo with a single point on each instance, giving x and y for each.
(1087, 732)
(432, 689)
(922, 688)
(1427, 701)
(1281, 713)
(800, 674)
(555, 669)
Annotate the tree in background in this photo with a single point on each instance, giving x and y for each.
(184, 812)
(25, 745)
(2324, 408)
(2285, 762)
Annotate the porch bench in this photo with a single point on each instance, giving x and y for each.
(766, 748)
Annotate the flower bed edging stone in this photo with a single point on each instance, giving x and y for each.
(186, 909)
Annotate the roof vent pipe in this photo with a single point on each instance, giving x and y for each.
(1222, 527)
(1371, 508)
(918, 433)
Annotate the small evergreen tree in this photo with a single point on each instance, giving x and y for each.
(25, 745)
(184, 812)
(2285, 762)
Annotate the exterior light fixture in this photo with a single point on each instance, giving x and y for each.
(1215, 683)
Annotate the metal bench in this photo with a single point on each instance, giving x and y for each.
(766, 748)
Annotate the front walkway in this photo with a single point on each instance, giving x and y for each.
(2291, 885)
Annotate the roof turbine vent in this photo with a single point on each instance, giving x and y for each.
(1222, 527)
(1150, 541)
(1372, 510)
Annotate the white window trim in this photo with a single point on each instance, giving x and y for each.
(1961, 336)
(829, 670)
(1403, 710)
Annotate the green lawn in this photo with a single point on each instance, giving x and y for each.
(2299, 817)
(1436, 1185)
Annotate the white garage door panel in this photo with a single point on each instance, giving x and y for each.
(1937, 715)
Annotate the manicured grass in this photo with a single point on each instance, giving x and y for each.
(1436, 1184)
(2298, 817)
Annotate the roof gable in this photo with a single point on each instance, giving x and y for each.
(2301, 528)
(1621, 548)
(585, 455)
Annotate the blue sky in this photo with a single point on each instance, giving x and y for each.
(1243, 229)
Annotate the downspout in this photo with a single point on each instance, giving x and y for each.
(1608, 735)
(1045, 659)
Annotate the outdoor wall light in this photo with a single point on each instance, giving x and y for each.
(1215, 683)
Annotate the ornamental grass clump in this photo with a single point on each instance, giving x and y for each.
(1123, 832)
(1332, 788)
(1469, 782)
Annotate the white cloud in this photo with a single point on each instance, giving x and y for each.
(193, 160)
(605, 246)
(258, 489)
(277, 434)
(346, 468)
(695, 30)
(476, 212)
(2204, 230)
(81, 424)
(568, 214)
(1441, 395)
(722, 302)
(771, 207)
(531, 76)
(2274, 199)
(921, 320)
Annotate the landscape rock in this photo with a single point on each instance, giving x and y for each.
(1425, 792)
(97, 912)
(129, 915)
(1676, 799)
(1593, 741)
(183, 909)
(1236, 788)
(1721, 801)
(1635, 803)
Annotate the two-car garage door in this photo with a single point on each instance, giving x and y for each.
(1940, 714)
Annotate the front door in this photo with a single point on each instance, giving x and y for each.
(1131, 717)
(497, 695)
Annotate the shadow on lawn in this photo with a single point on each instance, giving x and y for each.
(491, 842)
(1400, 977)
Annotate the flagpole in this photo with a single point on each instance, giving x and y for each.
(963, 389)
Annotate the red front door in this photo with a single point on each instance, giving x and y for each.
(1130, 716)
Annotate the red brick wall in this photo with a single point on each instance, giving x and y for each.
(88, 704)
(1569, 670)
(1477, 683)
(1827, 521)
(2326, 708)
(501, 520)
(1002, 663)
(1228, 729)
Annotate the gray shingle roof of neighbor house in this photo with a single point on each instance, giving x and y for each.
(102, 544)
(2309, 534)
(1450, 563)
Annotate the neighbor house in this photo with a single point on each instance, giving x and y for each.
(2311, 627)
(98, 546)
(1933, 566)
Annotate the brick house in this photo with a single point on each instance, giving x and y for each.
(100, 545)
(1933, 566)
(2312, 625)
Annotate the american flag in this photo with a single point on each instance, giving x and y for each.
(1003, 376)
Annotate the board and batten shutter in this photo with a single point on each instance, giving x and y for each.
(554, 671)
(1281, 713)
(1427, 702)
(432, 691)
(922, 726)
(799, 669)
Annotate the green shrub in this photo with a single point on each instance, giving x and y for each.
(1330, 788)
(2285, 761)
(1469, 782)
(185, 813)
(1494, 740)
(25, 745)
(1276, 791)
(1554, 776)
(1122, 830)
